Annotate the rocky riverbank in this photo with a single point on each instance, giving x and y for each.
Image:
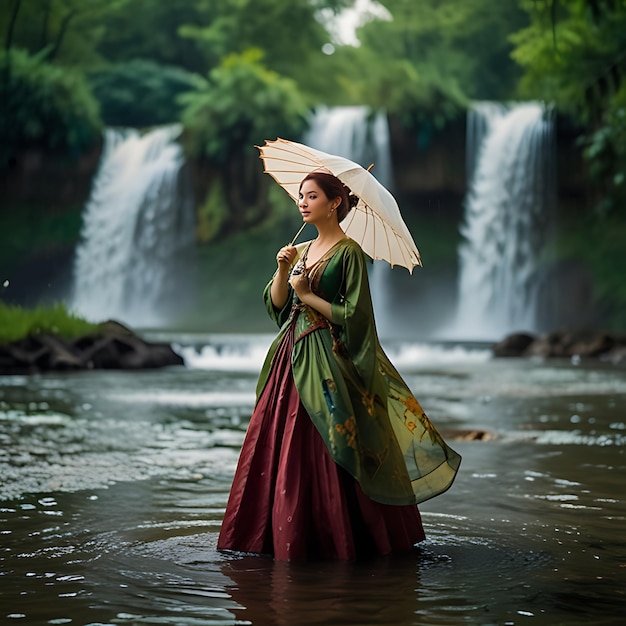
(566, 344)
(113, 346)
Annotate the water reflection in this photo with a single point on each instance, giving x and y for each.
(114, 486)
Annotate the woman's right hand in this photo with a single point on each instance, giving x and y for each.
(285, 257)
(279, 290)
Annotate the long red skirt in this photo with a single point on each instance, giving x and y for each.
(289, 498)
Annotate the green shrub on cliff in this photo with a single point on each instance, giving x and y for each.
(241, 104)
(43, 105)
(17, 322)
(573, 55)
(140, 92)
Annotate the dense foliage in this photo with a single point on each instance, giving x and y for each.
(423, 62)
(431, 58)
(43, 105)
(240, 104)
(574, 54)
(140, 92)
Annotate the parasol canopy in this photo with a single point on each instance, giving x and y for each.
(375, 223)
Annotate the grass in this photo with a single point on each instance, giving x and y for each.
(17, 323)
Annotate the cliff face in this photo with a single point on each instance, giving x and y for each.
(429, 162)
(53, 182)
(41, 199)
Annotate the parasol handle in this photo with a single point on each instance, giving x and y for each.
(297, 234)
(293, 241)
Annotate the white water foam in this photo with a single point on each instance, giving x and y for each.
(249, 357)
(137, 226)
(507, 215)
(424, 354)
(227, 356)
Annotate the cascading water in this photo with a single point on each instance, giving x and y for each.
(507, 218)
(138, 229)
(358, 134)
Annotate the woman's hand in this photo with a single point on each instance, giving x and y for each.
(301, 285)
(279, 290)
(285, 257)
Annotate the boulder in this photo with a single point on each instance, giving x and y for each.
(113, 346)
(513, 345)
(564, 344)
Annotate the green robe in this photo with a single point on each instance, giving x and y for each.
(370, 421)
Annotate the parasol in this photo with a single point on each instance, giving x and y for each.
(375, 223)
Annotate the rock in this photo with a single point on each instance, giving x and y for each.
(564, 344)
(114, 346)
(468, 435)
(545, 347)
(513, 345)
(590, 344)
(59, 356)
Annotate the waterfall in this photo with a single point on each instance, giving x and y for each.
(138, 225)
(507, 218)
(356, 133)
(361, 135)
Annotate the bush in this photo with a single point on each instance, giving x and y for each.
(416, 96)
(417, 99)
(605, 151)
(241, 104)
(45, 106)
(141, 92)
(17, 323)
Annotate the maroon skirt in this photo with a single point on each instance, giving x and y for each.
(289, 499)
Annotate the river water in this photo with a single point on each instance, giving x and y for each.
(113, 486)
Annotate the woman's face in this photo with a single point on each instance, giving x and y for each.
(313, 204)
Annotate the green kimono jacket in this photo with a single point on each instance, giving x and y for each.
(370, 421)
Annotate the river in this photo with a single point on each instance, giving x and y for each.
(113, 486)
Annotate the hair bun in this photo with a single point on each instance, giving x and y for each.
(353, 199)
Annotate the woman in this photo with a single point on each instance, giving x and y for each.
(338, 451)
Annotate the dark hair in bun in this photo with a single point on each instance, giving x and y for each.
(334, 188)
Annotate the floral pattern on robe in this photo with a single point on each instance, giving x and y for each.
(367, 416)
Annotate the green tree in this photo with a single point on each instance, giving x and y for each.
(111, 39)
(150, 29)
(574, 54)
(45, 106)
(197, 35)
(428, 59)
(64, 31)
(237, 107)
(291, 35)
(140, 92)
